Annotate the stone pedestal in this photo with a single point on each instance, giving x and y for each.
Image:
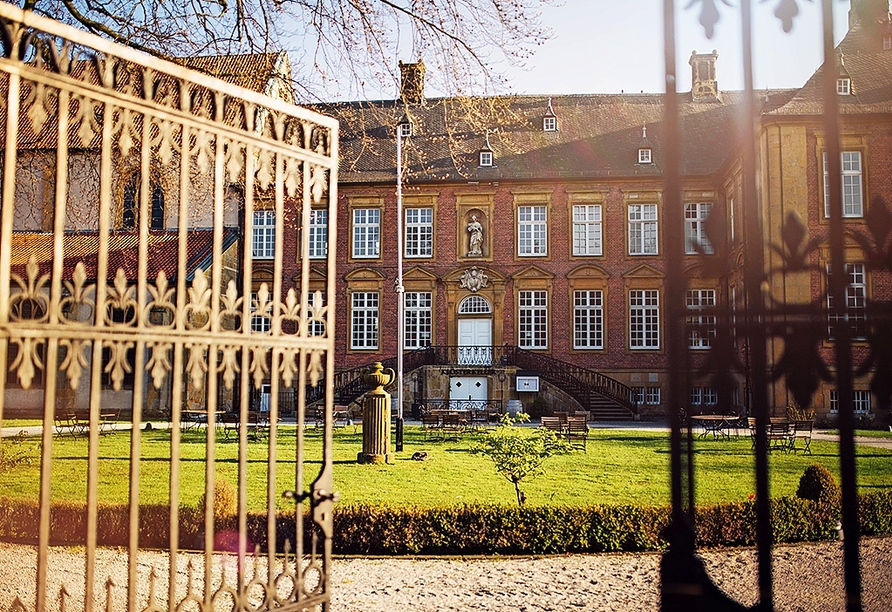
(376, 417)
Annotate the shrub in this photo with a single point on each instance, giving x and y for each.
(225, 502)
(539, 408)
(817, 484)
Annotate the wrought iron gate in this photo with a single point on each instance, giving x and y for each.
(137, 196)
(803, 333)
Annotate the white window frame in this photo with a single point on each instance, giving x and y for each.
(860, 401)
(654, 396)
(696, 300)
(316, 328)
(637, 395)
(366, 233)
(644, 319)
(887, 42)
(419, 238)
(588, 319)
(418, 331)
(852, 185)
(532, 230)
(856, 301)
(643, 229)
(486, 158)
(549, 124)
(844, 86)
(263, 233)
(261, 323)
(587, 230)
(318, 233)
(695, 227)
(645, 156)
(731, 217)
(364, 318)
(532, 319)
(405, 129)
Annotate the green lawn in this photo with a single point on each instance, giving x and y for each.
(619, 467)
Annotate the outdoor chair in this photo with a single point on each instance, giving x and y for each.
(562, 416)
(801, 431)
(577, 431)
(68, 421)
(553, 423)
(430, 424)
(454, 425)
(778, 435)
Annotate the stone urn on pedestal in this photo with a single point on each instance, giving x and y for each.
(376, 417)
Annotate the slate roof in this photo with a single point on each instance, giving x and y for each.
(868, 66)
(597, 137)
(123, 253)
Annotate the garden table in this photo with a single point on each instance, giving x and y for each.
(716, 424)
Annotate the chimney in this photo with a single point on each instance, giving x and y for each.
(704, 86)
(412, 82)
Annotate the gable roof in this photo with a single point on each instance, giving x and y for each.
(867, 65)
(598, 136)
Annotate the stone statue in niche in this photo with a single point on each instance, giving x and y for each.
(473, 279)
(475, 237)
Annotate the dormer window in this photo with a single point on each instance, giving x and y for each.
(645, 151)
(486, 158)
(549, 121)
(405, 129)
(844, 86)
(887, 42)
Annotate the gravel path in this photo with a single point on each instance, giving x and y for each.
(808, 578)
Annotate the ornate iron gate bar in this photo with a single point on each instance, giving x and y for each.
(800, 327)
(112, 303)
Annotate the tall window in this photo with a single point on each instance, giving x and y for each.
(694, 228)
(318, 234)
(366, 232)
(130, 215)
(263, 245)
(701, 328)
(419, 232)
(418, 319)
(653, 397)
(587, 230)
(856, 302)
(860, 401)
(731, 216)
(364, 320)
(642, 229)
(261, 323)
(532, 230)
(852, 192)
(316, 327)
(644, 319)
(533, 319)
(588, 319)
(704, 396)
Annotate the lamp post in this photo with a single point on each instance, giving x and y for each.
(400, 290)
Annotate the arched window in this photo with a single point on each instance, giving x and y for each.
(130, 207)
(474, 304)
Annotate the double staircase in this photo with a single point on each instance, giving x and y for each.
(605, 398)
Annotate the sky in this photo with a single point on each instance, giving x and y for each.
(607, 46)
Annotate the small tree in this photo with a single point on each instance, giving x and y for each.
(519, 452)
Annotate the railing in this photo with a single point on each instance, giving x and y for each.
(579, 382)
(473, 406)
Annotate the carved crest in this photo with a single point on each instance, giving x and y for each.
(474, 279)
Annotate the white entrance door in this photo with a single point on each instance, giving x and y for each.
(475, 341)
(467, 388)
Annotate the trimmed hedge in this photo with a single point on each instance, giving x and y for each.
(465, 529)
